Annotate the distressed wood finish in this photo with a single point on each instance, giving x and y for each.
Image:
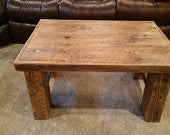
(108, 46)
(39, 93)
(86, 45)
(155, 94)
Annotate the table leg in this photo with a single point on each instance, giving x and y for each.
(155, 94)
(136, 76)
(39, 93)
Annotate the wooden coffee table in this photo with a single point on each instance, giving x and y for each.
(96, 46)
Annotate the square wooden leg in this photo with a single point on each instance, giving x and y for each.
(155, 94)
(39, 93)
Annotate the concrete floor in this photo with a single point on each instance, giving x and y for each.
(90, 104)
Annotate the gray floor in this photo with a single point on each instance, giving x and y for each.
(90, 104)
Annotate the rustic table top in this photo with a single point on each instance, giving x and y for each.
(89, 45)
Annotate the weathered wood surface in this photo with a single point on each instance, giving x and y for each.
(155, 95)
(39, 93)
(111, 46)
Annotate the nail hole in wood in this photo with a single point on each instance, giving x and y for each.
(67, 37)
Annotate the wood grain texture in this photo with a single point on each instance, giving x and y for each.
(109, 46)
(155, 95)
(99, 46)
(39, 93)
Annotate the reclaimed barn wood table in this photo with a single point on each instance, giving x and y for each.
(96, 46)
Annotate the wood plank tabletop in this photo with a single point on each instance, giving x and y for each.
(89, 45)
